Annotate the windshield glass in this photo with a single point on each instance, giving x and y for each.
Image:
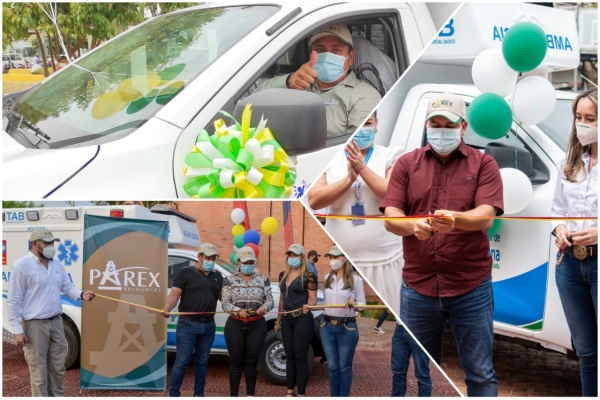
(226, 266)
(116, 89)
(16, 57)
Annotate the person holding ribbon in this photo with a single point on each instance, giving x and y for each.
(348, 100)
(199, 289)
(576, 194)
(339, 332)
(354, 183)
(298, 290)
(447, 274)
(35, 311)
(247, 297)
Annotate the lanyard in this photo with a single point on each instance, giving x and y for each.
(358, 184)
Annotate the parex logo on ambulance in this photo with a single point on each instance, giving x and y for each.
(129, 279)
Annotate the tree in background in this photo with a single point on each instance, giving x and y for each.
(19, 204)
(76, 22)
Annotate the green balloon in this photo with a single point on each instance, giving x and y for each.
(238, 241)
(233, 258)
(524, 46)
(490, 116)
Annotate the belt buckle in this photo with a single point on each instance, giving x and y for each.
(297, 313)
(580, 252)
(334, 322)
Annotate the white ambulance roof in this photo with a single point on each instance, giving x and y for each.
(480, 26)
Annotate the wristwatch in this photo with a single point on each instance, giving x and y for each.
(81, 295)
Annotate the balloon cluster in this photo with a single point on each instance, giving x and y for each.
(495, 73)
(250, 238)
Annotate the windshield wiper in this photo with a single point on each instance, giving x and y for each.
(17, 120)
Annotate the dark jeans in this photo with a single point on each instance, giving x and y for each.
(577, 283)
(297, 334)
(194, 338)
(403, 345)
(339, 343)
(384, 315)
(244, 342)
(470, 316)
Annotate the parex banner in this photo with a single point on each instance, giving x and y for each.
(123, 346)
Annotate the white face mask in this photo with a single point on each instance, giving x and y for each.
(586, 133)
(443, 140)
(49, 251)
(336, 263)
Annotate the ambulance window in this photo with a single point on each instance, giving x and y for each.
(558, 125)
(176, 264)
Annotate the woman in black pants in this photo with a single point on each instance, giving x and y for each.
(247, 297)
(298, 289)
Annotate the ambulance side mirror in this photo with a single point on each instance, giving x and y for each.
(295, 117)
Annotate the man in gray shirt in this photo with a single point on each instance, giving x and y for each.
(348, 101)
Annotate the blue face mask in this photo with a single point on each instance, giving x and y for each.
(294, 262)
(443, 140)
(208, 265)
(247, 268)
(330, 67)
(364, 137)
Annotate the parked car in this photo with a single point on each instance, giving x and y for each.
(17, 60)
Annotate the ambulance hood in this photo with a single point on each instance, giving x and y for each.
(480, 26)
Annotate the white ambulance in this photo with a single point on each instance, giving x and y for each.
(527, 305)
(66, 223)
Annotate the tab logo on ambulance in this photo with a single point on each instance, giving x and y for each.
(128, 279)
(15, 217)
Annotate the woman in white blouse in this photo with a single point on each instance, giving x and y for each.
(576, 195)
(354, 183)
(339, 332)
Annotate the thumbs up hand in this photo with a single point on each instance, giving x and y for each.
(305, 76)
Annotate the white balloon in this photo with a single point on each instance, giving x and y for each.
(534, 100)
(237, 215)
(518, 190)
(491, 73)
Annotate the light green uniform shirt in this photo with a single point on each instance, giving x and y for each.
(347, 104)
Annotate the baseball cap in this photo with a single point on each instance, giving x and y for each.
(297, 249)
(339, 30)
(448, 105)
(246, 254)
(313, 253)
(44, 235)
(208, 249)
(335, 251)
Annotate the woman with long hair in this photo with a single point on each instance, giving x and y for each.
(247, 297)
(298, 290)
(339, 332)
(576, 194)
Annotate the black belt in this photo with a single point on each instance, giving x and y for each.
(293, 314)
(338, 320)
(44, 319)
(583, 252)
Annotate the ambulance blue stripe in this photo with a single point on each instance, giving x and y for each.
(521, 300)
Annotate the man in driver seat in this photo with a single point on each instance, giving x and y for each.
(348, 101)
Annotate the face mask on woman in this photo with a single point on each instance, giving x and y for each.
(364, 137)
(586, 133)
(294, 262)
(247, 268)
(336, 263)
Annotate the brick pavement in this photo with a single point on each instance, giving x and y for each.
(372, 373)
(521, 371)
